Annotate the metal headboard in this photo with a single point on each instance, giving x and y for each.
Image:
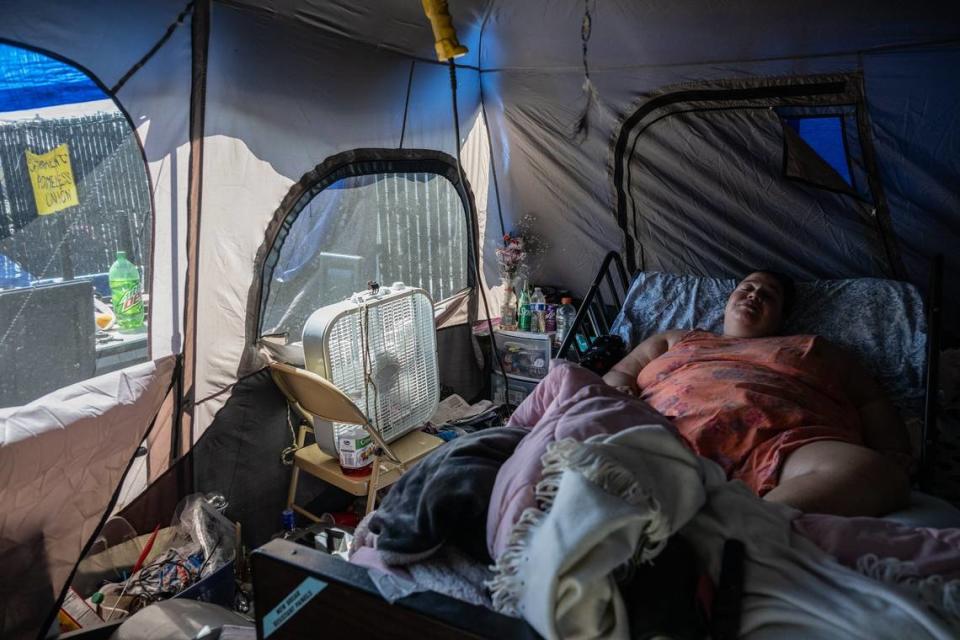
(600, 306)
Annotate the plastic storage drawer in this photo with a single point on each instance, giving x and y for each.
(519, 389)
(524, 355)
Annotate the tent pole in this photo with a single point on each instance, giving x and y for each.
(200, 29)
(930, 435)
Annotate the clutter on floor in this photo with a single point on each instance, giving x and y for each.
(455, 417)
(193, 558)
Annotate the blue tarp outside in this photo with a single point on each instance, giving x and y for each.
(30, 80)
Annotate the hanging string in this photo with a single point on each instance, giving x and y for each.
(406, 104)
(475, 262)
(586, 27)
(368, 381)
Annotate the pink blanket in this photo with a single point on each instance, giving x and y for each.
(924, 552)
(571, 402)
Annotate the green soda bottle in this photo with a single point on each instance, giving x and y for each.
(126, 293)
(523, 310)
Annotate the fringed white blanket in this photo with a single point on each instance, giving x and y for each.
(616, 499)
(600, 504)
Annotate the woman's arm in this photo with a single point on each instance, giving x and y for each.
(624, 374)
(883, 428)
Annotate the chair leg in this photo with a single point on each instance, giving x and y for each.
(292, 492)
(373, 485)
(295, 474)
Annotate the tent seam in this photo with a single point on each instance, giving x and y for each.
(696, 63)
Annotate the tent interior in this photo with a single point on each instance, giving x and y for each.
(258, 160)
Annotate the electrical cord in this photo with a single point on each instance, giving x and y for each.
(475, 263)
(286, 456)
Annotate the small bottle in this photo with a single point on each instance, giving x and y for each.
(550, 318)
(523, 310)
(288, 524)
(538, 311)
(508, 311)
(126, 294)
(355, 448)
(566, 314)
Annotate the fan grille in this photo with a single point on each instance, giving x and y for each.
(401, 347)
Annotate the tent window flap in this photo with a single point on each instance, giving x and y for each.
(384, 224)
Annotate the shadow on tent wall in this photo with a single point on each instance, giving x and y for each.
(22, 608)
(239, 453)
(238, 456)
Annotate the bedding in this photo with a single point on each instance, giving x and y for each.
(571, 402)
(615, 498)
(928, 552)
(443, 499)
(882, 321)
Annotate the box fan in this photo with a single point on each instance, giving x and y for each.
(380, 348)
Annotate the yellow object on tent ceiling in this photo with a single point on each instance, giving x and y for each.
(444, 34)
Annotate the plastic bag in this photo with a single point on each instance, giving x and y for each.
(208, 528)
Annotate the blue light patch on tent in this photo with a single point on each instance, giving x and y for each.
(31, 80)
(825, 136)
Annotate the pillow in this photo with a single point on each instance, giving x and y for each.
(882, 321)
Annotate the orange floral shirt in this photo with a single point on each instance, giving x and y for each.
(747, 403)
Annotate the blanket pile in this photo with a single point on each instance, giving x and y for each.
(443, 499)
(613, 499)
(586, 483)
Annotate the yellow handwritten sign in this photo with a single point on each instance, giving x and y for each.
(52, 177)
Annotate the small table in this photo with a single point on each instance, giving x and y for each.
(116, 349)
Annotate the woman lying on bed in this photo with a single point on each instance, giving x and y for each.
(795, 417)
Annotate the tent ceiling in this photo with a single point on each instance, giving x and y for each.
(546, 33)
(398, 26)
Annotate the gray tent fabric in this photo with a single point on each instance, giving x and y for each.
(703, 186)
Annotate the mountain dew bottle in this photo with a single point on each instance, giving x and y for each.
(126, 293)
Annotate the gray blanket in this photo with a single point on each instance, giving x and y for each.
(444, 499)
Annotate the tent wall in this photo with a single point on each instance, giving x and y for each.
(89, 432)
(534, 100)
(57, 482)
(281, 98)
(156, 98)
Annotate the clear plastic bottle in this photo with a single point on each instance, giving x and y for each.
(508, 310)
(566, 314)
(125, 293)
(538, 311)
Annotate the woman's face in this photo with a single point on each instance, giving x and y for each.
(755, 308)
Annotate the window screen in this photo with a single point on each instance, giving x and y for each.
(822, 149)
(74, 192)
(824, 135)
(407, 227)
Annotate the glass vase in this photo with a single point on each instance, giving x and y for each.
(508, 308)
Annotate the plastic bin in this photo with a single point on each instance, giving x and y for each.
(519, 389)
(524, 355)
(217, 588)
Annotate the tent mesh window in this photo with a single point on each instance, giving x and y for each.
(716, 178)
(821, 148)
(386, 227)
(74, 191)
